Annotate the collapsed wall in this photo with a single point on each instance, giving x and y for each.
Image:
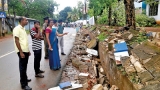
(136, 69)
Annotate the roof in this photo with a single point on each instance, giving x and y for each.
(17, 17)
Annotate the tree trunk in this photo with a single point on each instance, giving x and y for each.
(9, 19)
(109, 16)
(14, 18)
(130, 13)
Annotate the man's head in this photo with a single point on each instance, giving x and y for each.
(55, 22)
(23, 21)
(46, 19)
(60, 22)
(36, 24)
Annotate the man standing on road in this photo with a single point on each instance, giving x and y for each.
(37, 48)
(22, 48)
(60, 39)
(45, 40)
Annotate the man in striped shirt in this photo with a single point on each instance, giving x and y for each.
(37, 47)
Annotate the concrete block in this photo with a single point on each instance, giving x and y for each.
(145, 76)
(97, 87)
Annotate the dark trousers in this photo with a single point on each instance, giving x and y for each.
(37, 59)
(46, 47)
(23, 69)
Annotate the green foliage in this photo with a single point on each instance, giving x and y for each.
(102, 37)
(143, 20)
(73, 16)
(141, 37)
(80, 8)
(64, 14)
(103, 18)
(118, 14)
(38, 9)
(91, 12)
(93, 28)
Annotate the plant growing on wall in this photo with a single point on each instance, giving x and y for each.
(102, 37)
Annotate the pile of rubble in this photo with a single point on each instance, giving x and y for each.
(83, 66)
(126, 59)
(136, 54)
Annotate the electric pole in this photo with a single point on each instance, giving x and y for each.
(2, 9)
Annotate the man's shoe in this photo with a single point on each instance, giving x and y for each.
(39, 75)
(27, 88)
(28, 80)
(41, 71)
(63, 54)
(45, 57)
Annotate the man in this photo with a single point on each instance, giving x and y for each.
(37, 47)
(22, 48)
(46, 19)
(60, 39)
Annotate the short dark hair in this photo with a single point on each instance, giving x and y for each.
(54, 21)
(36, 22)
(59, 21)
(21, 19)
(46, 18)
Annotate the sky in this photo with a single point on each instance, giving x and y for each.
(65, 3)
(73, 3)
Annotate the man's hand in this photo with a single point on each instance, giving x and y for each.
(22, 55)
(38, 27)
(66, 33)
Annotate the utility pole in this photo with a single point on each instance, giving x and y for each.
(2, 9)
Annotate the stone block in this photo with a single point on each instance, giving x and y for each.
(141, 55)
(105, 88)
(92, 44)
(85, 85)
(158, 44)
(134, 45)
(127, 36)
(138, 66)
(152, 87)
(145, 76)
(130, 69)
(97, 87)
(133, 59)
(152, 82)
(125, 61)
(114, 87)
(77, 63)
(138, 86)
(83, 68)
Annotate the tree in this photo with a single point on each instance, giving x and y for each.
(74, 15)
(98, 7)
(130, 13)
(80, 8)
(63, 14)
(37, 9)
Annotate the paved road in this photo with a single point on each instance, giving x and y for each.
(9, 71)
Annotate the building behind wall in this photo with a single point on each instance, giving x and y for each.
(27, 27)
(152, 10)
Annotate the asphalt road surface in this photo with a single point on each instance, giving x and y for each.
(9, 63)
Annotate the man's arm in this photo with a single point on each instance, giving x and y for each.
(19, 47)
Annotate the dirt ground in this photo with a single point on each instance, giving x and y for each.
(5, 38)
